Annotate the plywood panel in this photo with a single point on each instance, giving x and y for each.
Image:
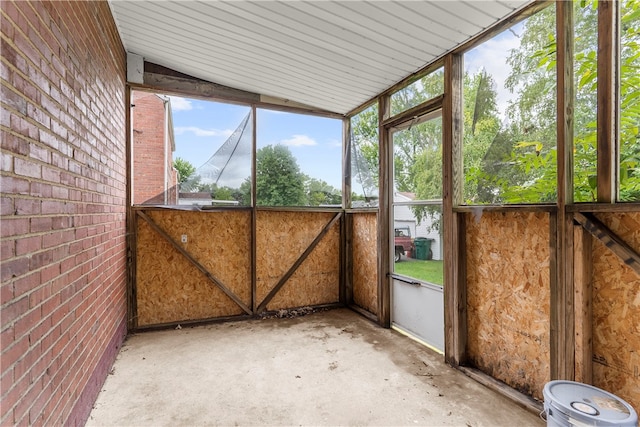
(281, 238)
(616, 313)
(365, 261)
(169, 288)
(508, 282)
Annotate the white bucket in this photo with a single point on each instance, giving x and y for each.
(569, 403)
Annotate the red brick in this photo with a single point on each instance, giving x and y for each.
(40, 189)
(52, 207)
(14, 351)
(28, 245)
(6, 162)
(13, 100)
(14, 226)
(57, 238)
(27, 168)
(14, 185)
(40, 224)
(51, 175)
(27, 206)
(6, 206)
(7, 249)
(51, 121)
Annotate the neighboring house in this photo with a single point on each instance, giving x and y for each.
(195, 199)
(154, 177)
(404, 217)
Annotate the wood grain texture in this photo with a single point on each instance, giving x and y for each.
(365, 261)
(281, 238)
(610, 239)
(616, 312)
(562, 293)
(169, 288)
(453, 224)
(583, 274)
(607, 101)
(508, 281)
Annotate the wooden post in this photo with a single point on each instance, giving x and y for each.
(254, 214)
(346, 257)
(385, 194)
(607, 101)
(562, 296)
(347, 265)
(583, 303)
(455, 308)
(346, 165)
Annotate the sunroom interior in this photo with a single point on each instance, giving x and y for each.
(501, 137)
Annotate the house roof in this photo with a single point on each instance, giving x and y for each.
(331, 55)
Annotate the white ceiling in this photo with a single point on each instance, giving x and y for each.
(332, 55)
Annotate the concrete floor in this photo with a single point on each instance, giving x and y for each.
(327, 368)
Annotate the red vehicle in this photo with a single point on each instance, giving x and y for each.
(403, 243)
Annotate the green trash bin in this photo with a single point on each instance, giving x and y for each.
(423, 248)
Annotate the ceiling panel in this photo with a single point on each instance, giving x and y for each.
(332, 55)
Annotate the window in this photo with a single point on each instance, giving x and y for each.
(585, 103)
(190, 152)
(629, 101)
(509, 139)
(417, 198)
(416, 93)
(364, 158)
(298, 160)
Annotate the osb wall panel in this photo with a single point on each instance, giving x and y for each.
(170, 288)
(365, 261)
(508, 282)
(616, 313)
(281, 238)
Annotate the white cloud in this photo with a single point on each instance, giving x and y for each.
(179, 103)
(298, 141)
(335, 143)
(492, 56)
(179, 130)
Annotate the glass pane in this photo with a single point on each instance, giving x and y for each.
(509, 148)
(630, 101)
(417, 160)
(213, 152)
(586, 105)
(418, 241)
(416, 93)
(299, 160)
(364, 158)
(189, 152)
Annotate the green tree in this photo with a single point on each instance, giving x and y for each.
(630, 101)
(185, 169)
(536, 154)
(321, 193)
(279, 181)
(188, 180)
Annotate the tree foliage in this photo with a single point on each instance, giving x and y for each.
(541, 168)
(279, 182)
(513, 158)
(185, 169)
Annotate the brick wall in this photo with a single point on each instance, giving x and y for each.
(62, 194)
(149, 136)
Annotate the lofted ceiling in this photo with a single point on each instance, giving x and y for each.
(331, 55)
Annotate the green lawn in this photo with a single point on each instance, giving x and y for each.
(428, 271)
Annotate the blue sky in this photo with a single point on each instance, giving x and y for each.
(201, 127)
